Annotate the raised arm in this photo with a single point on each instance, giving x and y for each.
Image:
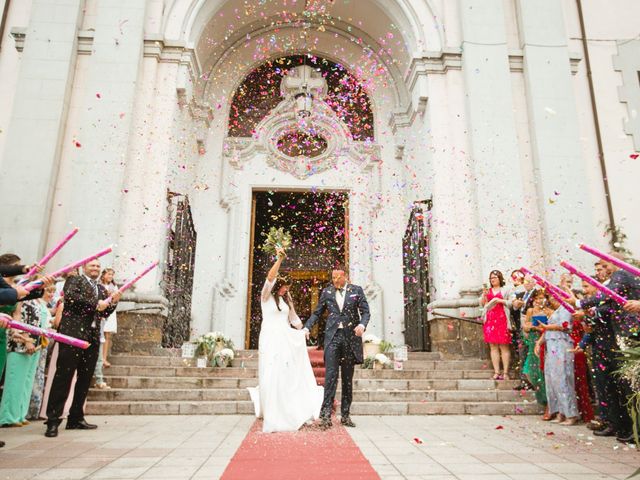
(273, 272)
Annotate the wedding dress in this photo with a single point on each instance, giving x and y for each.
(287, 395)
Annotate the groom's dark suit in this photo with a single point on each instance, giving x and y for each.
(342, 347)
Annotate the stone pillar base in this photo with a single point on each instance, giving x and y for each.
(454, 337)
(141, 320)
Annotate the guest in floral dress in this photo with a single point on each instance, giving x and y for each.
(538, 314)
(38, 383)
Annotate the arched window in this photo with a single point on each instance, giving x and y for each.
(259, 93)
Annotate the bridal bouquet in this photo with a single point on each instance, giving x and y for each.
(276, 238)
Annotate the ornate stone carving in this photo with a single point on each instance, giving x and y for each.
(322, 123)
(627, 62)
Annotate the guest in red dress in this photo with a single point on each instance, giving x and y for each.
(495, 315)
(581, 371)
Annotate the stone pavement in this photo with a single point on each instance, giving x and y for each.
(199, 448)
(488, 448)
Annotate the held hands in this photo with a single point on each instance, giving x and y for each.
(576, 349)
(517, 304)
(306, 333)
(359, 330)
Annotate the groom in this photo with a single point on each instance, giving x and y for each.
(347, 321)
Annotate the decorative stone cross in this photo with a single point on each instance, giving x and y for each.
(297, 77)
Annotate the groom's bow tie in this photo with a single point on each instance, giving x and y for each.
(341, 290)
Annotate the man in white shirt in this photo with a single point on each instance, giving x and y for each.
(348, 317)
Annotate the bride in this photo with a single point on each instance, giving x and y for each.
(287, 395)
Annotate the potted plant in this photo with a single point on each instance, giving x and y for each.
(371, 345)
(386, 347)
(630, 371)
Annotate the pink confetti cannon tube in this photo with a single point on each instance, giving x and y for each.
(607, 291)
(129, 283)
(545, 283)
(58, 337)
(38, 283)
(616, 261)
(554, 291)
(44, 260)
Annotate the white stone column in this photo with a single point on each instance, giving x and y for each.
(454, 242)
(98, 164)
(563, 198)
(32, 153)
(493, 136)
(131, 238)
(153, 228)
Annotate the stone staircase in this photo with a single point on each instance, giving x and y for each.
(168, 384)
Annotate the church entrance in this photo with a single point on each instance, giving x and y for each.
(318, 222)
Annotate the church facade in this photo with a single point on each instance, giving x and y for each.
(171, 128)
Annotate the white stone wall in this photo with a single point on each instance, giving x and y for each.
(486, 109)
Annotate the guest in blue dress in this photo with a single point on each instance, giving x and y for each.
(559, 373)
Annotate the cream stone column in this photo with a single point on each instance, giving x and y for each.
(563, 198)
(152, 229)
(131, 239)
(32, 152)
(493, 137)
(454, 242)
(98, 164)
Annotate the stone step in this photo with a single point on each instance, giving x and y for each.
(149, 371)
(249, 358)
(445, 408)
(401, 383)
(232, 407)
(242, 394)
(357, 408)
(184, 371)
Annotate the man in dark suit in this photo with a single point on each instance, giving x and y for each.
(84, 307)
(625, 326)
(348, 318)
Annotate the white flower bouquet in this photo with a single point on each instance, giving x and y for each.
(382, 359)
(210, 343)
(223, 358)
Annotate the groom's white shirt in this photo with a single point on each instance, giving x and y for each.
(340, 297)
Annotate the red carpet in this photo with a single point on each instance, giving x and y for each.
(316, 357)
(308, 454)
